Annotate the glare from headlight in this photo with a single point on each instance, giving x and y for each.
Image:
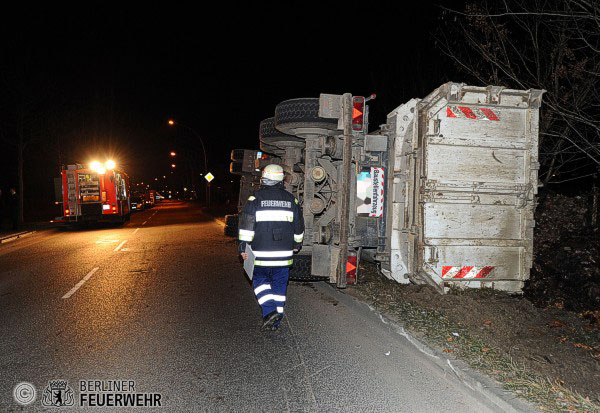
(110, 164)
(95, 166)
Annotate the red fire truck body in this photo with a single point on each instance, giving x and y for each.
(94, 195)
(152, 196)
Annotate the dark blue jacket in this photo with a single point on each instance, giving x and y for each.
(272, 223)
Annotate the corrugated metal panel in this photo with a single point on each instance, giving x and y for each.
(465, 177)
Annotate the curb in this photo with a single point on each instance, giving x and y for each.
(16, 236)
(488, 389)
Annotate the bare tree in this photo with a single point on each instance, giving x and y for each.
(544, 44)
(23, 107)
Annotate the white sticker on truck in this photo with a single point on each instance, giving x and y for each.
(377, 178)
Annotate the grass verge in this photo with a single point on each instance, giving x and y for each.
(435, 329)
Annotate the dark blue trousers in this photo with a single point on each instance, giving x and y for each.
(270, 287)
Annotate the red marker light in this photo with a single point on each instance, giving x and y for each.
(358, 113)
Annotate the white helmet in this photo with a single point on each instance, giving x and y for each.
(273, 172)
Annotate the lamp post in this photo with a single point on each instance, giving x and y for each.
(172, 122)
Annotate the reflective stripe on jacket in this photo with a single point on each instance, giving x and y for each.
(272, 223)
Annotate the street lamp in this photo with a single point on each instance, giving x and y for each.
(173, 153)
(172, 122)
(172, 165)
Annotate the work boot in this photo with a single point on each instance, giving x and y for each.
(271, 319)
(277, 322)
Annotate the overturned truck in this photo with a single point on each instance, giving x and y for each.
(443, 193)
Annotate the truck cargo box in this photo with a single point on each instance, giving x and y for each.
(465, 165)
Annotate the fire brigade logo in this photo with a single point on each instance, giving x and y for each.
(58, 394)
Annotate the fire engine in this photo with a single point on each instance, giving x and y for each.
(151, 197)
(96, 193)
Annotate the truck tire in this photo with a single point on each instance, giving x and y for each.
(274, 150)
(231, 225)
(267, 133)
(231, 220)
(301, 113)
(300, 271)
(231, 231)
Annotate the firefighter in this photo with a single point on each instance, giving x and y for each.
(272, 223)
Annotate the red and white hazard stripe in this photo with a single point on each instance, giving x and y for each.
(466, 272)
(471, 113)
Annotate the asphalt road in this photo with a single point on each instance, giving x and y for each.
(163, 301)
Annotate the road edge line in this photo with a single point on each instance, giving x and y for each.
(16, 236)
(215, 219)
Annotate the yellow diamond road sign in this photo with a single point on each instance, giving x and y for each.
(209, 177)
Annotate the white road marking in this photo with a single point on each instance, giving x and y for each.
(80, 283)
(119, 246)
(136, 230)
(106, 241)
(144, 223)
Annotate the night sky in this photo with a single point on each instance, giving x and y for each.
(104, 80)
